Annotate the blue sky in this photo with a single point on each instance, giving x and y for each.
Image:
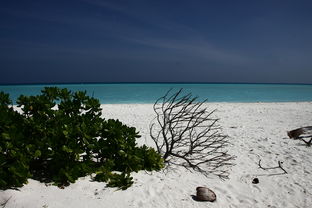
(156, 41)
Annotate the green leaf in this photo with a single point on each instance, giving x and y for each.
(66, 149)
(37, 154)
(65, 133)
(5, 135)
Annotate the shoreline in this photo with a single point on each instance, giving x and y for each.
(280, 102)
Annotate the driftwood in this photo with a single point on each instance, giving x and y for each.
(271, 168)
(302, 134)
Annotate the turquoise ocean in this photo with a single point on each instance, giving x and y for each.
(149, 92)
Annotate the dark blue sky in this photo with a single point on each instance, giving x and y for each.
(156, 41)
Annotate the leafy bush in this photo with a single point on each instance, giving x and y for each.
(14, 162)
(61, 136)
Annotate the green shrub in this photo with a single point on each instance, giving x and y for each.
(14, 160)
(61, 136)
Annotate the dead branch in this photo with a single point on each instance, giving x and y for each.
(308, 143)
(186, 134)
(277, 167)
(302, 133)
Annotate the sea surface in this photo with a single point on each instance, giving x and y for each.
(150, 92)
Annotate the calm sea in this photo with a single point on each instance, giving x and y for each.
(149, 92)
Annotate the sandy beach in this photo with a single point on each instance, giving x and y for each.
(256, 131)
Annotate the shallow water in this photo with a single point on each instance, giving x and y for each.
(149, 92)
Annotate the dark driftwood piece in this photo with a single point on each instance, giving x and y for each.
(302, 133)
(277, 167)
(308, 143)
(186, 134)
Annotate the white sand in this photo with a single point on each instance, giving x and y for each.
(257, 131)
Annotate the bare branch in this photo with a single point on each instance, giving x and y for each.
(308, 143)
(277, 167)
(187, 135)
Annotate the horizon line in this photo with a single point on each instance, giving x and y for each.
(81, 83)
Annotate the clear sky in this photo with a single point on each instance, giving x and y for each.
(156, 41)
